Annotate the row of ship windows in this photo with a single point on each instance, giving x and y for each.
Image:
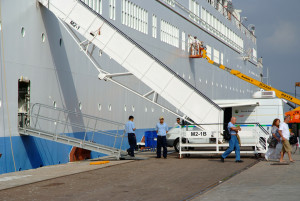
(109, 107)
(221, 85)
(211, 23)
(136, 18)
(43, 36)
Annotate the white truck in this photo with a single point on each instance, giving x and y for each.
(252, 115)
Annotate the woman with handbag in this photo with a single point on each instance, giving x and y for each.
(274, 148)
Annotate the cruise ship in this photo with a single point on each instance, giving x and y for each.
(51, 63)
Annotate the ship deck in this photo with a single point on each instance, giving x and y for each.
(152, 179)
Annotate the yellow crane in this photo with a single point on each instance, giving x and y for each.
(202, 54)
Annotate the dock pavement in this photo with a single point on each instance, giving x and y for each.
(193, 178)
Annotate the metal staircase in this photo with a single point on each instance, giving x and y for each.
(75, 129)
(146, 67)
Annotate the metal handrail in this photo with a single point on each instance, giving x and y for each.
(73, 125)
(72, 112)
(207, 124)
(63, 118)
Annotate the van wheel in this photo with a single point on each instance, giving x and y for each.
(176, 145)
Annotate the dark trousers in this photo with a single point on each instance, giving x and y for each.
(161, 142)
(132, 143)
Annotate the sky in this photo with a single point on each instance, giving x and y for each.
(277, 24)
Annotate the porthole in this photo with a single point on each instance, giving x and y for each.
(125, 108)
(0, 26)
(199, 79)
(54, 104)
(163, 110)
(206, 82)
(0, 103)
(189, 77)
(80, 106)
(212, 83)
(152, 109)
(60, 41)
(221, 86)
(99, 107)
(109, 107)
(43, 37)
(100, 53)
(132, 107)
(183, 75)
(23, 32)
(146, 109)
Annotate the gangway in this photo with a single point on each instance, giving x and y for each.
(75, 129)
(146, 67)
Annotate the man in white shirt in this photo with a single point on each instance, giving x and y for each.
(284, 132)
(177, 124)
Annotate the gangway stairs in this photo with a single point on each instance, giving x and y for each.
(138, 61)
(75, 129)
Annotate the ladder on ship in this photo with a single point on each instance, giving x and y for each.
(75, 129)
(162, 80)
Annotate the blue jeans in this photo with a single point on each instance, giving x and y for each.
(161, 142)
(233, 145)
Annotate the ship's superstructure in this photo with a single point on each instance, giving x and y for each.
(41, 63)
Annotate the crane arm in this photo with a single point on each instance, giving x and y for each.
(250, 80)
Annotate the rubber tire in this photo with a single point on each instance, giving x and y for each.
(175, 145)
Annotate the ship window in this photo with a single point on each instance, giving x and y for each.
(125, 108)
(169, 33)
(60, 41)
(208, 51)
(132, 107)
(23, 32)
(0, 25)
(216, 56)
(134, 16)
(54, 104)
(163, 110)
(99, 107)
(146, 109)
(43, 37)
(96, 5)
(154, 26)
(112, 9)
(0, 103)
(183, 41)
(170, 2)
(100, 53)
(80, 105)
(194, 8)
(152, 109)
(222, 58)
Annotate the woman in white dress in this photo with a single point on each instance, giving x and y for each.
(273, 152)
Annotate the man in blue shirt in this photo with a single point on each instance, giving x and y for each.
(129, 129)
(161, 130)
(233, 142)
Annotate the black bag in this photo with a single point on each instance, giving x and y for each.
(293, 140)
(226, 135)
(272, 141)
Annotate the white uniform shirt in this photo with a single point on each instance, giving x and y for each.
(284, 128)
